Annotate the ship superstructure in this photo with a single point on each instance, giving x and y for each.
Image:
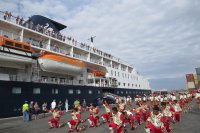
(64, 60)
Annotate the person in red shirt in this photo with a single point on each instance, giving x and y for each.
(106, 115)
(167, 112)
(145, 110)
(138, 114)
(122, 106)
(177, 111)
(129, 101)
(94, 118)
(117, 124)
(154, 122)
(129, 118)
(76, 120)
(56, 118)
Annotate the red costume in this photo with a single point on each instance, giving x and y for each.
(178, 111)
(129, 118)
(76, 119)
(56, 118)
(118, 121)
(94, 118)
(106, 115)
(137, 115)
(122, 107)
(155, 124)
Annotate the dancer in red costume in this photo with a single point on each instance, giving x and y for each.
(129, 118)
(56, 118)
(106, 115)
(154, 122)
(117, 124)
(177, 110)
(167, 116)
(122, 106)
(94, 118)
(76, 120)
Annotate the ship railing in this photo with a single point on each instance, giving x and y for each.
(107, 64)
(95, 61)
(60, 50)
(10, 19)
(28, 24)
(79, 56)
(66, 82)
(115, 66)
(8, 34)
(81, 45)
(35, 43)
(97, 85)
(61, 37)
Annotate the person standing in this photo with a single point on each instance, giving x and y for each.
(76, 103)
(53, 105)
(99, 102)
(5, 15)
(60, 104)
(25, 111)
(44, 108)
(31, 110)
(84, 104)
(9, 16)
(66, 105)
(17, 20)
(37, 109)
(21, 21)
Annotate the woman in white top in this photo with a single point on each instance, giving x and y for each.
(66, 105)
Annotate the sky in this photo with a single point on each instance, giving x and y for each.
(160, 38)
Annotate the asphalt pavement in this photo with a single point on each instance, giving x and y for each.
(189, 124)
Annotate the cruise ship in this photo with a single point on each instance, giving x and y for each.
(38, 63)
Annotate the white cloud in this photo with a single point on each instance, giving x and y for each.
(161, 38)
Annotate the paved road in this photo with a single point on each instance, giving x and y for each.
(189, 124)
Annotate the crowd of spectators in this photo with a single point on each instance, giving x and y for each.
(29, 24)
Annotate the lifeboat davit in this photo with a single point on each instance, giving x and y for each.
(55, 63)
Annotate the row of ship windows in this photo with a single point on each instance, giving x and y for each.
(129, 85)
(18, 90)
(134, 92)
(124, 75)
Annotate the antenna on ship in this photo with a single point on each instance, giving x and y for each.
(91, 41)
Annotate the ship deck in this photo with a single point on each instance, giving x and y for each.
(189, 123)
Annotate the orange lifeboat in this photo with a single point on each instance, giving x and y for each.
(98, 73)
(14, 44)
(60, 64)
(14, 52)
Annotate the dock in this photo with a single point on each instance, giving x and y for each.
(189, 124)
